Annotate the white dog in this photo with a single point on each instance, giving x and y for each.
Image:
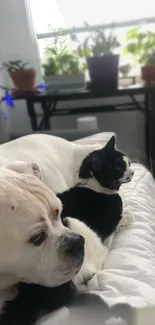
(34, 245)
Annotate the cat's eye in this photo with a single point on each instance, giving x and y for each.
(38, 239)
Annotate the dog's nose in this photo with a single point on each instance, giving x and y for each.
(132, 173)
(74, 244)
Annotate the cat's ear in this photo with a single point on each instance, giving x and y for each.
(99, 156)
(110, 144)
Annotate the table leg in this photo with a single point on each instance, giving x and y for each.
(32, 114)
(151, 96)
(48, 108)
(46, 119)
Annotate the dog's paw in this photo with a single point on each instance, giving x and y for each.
(124, 223)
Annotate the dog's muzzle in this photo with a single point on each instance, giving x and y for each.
(72, 249)
(74, 245)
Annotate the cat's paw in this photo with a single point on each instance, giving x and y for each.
(124, 223)
(101, 261)
(82, 285)
(109, 241)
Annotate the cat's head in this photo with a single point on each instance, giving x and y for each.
(108, 166)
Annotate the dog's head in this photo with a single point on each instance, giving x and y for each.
(34, 245)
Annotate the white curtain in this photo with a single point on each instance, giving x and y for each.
(17, 41)
(4, 111)
(17, 34)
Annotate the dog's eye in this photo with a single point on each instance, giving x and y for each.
(38, 239)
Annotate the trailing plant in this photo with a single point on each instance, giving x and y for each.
(141, 45)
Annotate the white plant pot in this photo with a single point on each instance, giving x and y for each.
(65, 82)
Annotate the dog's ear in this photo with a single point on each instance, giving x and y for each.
(25, 168)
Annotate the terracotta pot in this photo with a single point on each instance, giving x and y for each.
(148, 73)
(24, 79)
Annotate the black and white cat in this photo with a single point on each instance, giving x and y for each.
(95, 209)
(94, 200)
(95, 206)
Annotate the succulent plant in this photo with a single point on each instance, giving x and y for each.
(17, 65)
(125, 69)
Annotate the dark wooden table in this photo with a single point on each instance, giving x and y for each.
(49, 107)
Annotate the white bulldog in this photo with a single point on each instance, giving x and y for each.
(34, 245)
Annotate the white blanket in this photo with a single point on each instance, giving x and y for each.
(129, 273)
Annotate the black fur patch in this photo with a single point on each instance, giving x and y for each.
(34, 301)
(100, 212)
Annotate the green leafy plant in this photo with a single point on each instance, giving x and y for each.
(141, 45)
(99, 42)
(82, 51)
(58, 58)
(125, 69)
(17, 65)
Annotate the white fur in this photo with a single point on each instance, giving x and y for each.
(93, 184)
(95, 253)
(58, 159)
(128, 174)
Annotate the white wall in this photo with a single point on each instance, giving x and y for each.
(4, 124)
(17, 41)
(17, 37)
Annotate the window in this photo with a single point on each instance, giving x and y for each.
(67, 14)
(71, 13)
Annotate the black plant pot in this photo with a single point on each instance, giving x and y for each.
(103, 71)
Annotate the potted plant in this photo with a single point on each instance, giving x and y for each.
(141, 45)
(102, 61)
(125, 69)
(22, 77)
(61, 65)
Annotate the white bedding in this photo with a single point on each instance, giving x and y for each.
(129, 273)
